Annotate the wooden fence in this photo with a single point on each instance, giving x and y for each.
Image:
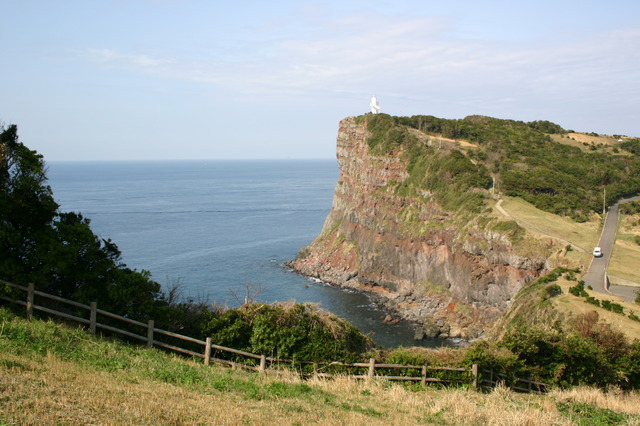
(492, 379)
(260, 362)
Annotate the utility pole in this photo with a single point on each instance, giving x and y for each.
(604, 201)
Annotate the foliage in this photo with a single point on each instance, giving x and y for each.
(631, 145)
(554, 177)
(553, 290)
(630, 208)
(450, 175)
(287, 331)
(545, 126)
(578, 290)
(581, 350)
(586, 352)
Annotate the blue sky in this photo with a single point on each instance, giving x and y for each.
(183, 79)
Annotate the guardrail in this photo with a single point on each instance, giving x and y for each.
(260, 363)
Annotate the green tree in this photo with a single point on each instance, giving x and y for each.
(56, 251)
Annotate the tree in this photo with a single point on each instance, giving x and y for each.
(27, 208)
(59, 252)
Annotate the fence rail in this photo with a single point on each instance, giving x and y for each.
(494, 378)
(467, 376)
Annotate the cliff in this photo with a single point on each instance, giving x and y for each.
(452, 270)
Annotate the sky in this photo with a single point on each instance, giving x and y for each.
(196, 79)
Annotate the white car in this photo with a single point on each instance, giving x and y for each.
(597, 252)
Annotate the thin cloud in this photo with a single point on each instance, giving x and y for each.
(365, 52)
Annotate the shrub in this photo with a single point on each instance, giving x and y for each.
(578, 290)
(553, 290)
(592, 300)
(288, 330)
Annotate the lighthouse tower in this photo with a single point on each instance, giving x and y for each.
(375, 106)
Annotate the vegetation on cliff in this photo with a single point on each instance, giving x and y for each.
(522, 157)
(540, 337)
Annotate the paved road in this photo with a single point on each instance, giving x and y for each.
(595, 275)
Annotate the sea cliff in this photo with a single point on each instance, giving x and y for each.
(451, 272)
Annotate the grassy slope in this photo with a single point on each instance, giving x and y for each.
(53, 375)
(576, 305)
(625, 260)
(585, 235)
(626, 254)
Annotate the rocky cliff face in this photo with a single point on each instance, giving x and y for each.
(454, 279)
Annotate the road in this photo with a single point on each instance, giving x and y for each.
(595, 275)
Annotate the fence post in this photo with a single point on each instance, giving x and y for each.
(474, 372)
(263, 363)
(424, 376)
(30, 295)
(315, 369)
(207, 351)
(372, 368)
(92, 317)
(150, 326)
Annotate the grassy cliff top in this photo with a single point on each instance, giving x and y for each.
(556, 170)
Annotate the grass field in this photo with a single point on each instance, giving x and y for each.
(625, 259)
(50, 374)
(577, 305)
(583, 235)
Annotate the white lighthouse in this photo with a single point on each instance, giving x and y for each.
(375, 106)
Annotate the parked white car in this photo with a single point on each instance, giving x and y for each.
(597, 252)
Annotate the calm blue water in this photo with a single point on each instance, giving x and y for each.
(215, 226)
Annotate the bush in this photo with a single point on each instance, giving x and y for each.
(553, 290)
(578, 290)
(288, 331)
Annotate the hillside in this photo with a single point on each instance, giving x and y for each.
(414, 218)
(50, 374)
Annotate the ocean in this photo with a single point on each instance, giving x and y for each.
(220, 227)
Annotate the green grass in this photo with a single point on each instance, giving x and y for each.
(51, 374)
(37, 339)
(589, 415)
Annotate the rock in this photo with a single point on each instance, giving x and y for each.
(419, 334)
(431, 330)
(418, 261)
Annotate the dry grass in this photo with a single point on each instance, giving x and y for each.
(584, 235)
(613, 399)
(576, 305)
(625, 259)
(51, 391)
(603, 142)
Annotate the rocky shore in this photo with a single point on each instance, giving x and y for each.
(453, 282)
